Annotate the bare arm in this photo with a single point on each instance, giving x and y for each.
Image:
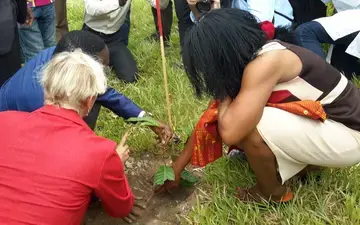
(239, 117)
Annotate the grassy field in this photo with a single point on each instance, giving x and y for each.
(335, 200)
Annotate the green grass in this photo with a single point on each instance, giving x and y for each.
(149, 91)
(333, 201)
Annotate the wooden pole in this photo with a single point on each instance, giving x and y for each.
(162, 48)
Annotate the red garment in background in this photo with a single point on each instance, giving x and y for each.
(50, 164)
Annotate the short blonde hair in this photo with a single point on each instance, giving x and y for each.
(70, 78)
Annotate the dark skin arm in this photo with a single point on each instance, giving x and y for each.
(164, 133)
(178, 166)
(239, 117)
(180, 163)
(260, 78)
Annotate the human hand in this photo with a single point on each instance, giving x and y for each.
(29, 17)
(123, 149)
(169, 185)
(192, 2)
(122, 2)
(135, 212)
(164, 133)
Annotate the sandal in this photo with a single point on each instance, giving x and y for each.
(247, 195)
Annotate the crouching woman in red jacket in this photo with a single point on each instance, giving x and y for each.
(51, 162)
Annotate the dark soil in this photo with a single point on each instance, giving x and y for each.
(161, 209)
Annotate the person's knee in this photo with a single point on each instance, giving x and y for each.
(129, 75)
(254, 145)
(312, 29)
(252, 141)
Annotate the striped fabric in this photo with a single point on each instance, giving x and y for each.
(317, 82)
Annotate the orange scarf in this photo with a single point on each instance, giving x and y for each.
(208, 144)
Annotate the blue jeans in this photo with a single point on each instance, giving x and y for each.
(311, 35)
(41, 34)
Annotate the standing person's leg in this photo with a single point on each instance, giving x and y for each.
(166, 19)
(31, 41)
(184, 22)
(311, 35)
(62, 26)
(11, 61)
(47, 25)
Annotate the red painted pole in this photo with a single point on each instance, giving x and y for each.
(158, 11)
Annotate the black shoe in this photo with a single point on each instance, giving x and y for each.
(156, 37)
(167, 20)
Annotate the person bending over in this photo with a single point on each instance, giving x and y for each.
(51, 162)
(23, 92)
(282, 104)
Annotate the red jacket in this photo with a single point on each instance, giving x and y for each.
(50, 164)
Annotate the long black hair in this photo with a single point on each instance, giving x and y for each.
(218, 48)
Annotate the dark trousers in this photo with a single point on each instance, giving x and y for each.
(121, 58)
(312, 35)
(62, 26)
(93, 116)
(184, 22)
(10, 62)
(182, 13)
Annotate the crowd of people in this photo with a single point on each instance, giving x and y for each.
(278, 99)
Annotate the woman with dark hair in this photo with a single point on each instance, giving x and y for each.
(274, 102)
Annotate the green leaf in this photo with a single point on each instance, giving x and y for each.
(184, 183)
(187, 179)
(163, 174)
(144, 121)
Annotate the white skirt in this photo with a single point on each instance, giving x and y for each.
(298, 141)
